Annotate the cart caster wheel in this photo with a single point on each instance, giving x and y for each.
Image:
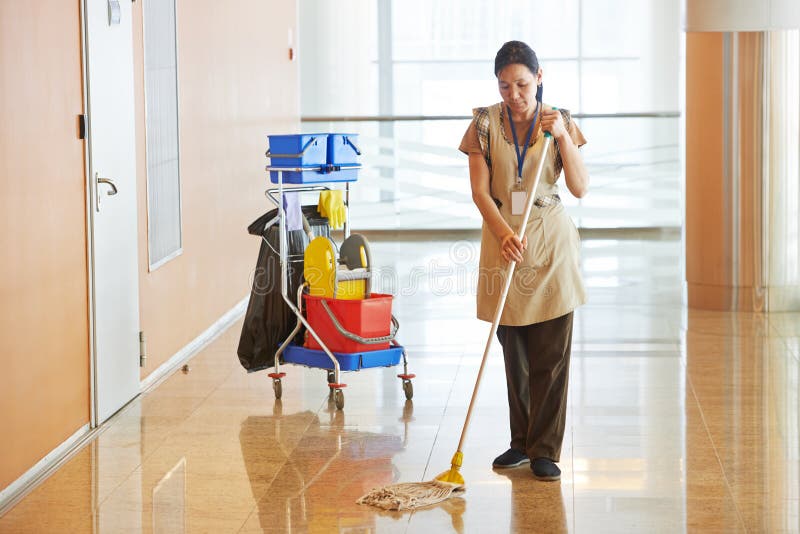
(331, 377)
(338, 398)
(276, 385)
(408, 389)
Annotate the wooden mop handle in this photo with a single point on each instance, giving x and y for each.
(532, 194)
(506, 285)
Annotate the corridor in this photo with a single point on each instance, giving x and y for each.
(679, 420)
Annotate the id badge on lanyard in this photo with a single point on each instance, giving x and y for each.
(519, 195)
(518, 199)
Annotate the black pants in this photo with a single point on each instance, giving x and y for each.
(537, 375)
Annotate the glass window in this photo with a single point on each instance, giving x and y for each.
(614, 28)
(161, 124)
(598, 56)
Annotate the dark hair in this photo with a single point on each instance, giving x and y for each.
(515, 52)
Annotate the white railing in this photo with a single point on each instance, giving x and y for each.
(414, 177)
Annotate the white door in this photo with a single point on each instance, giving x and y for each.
(112, 220)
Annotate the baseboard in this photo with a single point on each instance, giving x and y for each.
(196, 345)
(18, 489)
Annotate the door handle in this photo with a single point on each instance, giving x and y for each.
(107, 181)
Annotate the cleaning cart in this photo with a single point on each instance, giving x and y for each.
(348, 328)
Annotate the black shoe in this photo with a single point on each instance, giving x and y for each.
(545, 469)
(510, 458)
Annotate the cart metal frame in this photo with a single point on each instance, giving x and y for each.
(275, 195)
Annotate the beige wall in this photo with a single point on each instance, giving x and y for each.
(729, 177)
(705, 258)
(44, 339)
(236, 85)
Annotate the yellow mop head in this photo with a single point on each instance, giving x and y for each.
(410, 495)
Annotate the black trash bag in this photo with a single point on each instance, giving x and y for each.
(269, 320)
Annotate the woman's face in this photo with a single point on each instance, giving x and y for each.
(518, 88)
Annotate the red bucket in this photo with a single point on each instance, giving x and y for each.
(367, 318)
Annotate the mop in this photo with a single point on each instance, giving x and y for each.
(410, 495)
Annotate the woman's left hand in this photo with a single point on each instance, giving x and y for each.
(553, 122)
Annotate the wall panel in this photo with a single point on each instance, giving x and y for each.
(236, 84)
(44, 339)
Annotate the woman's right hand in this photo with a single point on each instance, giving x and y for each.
(512, 248)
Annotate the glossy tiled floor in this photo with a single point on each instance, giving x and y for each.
(679, 420)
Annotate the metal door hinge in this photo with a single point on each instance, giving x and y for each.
(142, 350)
(81, 126)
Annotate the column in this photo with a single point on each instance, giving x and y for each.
(742, 154)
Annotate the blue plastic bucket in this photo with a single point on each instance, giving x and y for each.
(343, 149)
(297, 150)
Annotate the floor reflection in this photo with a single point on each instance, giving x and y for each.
(169, 501)
(678, 421)
(745, 378)
(324, 474)
(535, 506)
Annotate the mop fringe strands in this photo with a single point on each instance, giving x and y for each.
(410, 495)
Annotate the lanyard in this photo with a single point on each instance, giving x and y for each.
(521, 157)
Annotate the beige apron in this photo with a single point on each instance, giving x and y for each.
(547, 284)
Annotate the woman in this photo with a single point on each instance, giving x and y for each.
(505, 143)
